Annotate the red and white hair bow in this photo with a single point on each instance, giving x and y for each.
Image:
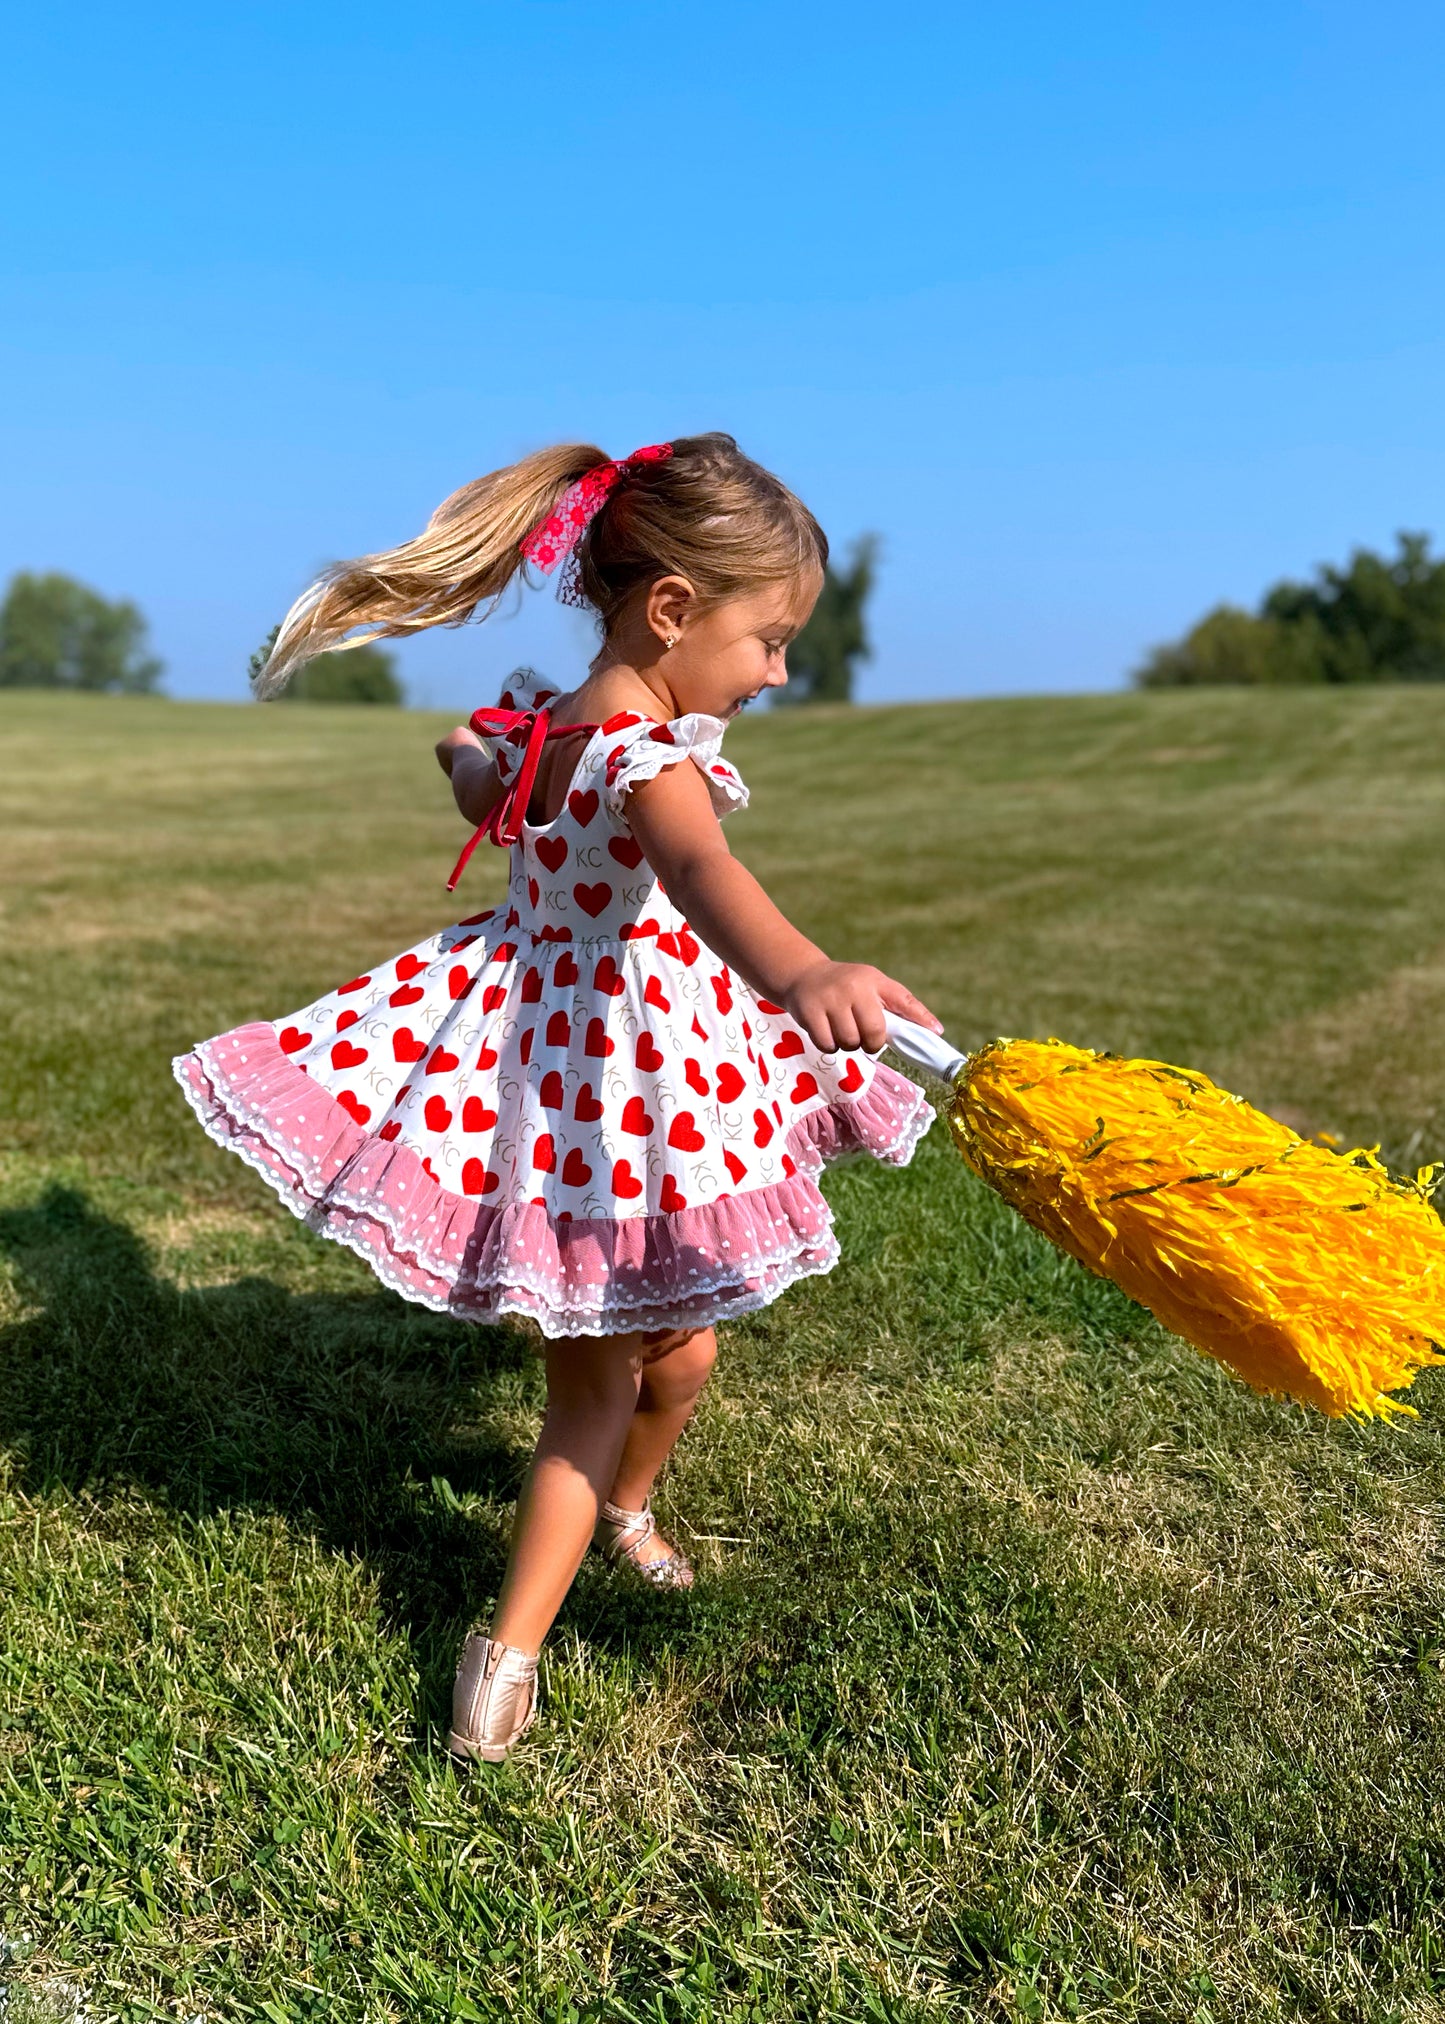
(554, 537)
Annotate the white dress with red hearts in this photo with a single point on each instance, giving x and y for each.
(566, 1107)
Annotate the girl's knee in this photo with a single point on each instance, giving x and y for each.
(677, 1367)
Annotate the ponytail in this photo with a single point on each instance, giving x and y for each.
(704, 511)
(469, 552)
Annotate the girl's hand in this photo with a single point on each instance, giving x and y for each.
(843, 1005)
(454, 742)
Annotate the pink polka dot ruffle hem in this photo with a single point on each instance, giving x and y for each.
(594, 1276)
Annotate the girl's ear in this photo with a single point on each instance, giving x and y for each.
(671, 602)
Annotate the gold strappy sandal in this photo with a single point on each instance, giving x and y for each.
(621, 1535)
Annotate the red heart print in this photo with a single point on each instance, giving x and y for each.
(552, 851)
(735, 1167)
(791, 1043)
(390, 1131)
(763, 1128)
(475, 1115)
(777, 1111)
(593, 899)
(406, 994)
(621, 720)
(606, 978)
(762, 1067)
(493, 996)
(790, 1165)
(459, 980)
(625, 850)
(405, 1045)
(668, 944)
(359, 1110)
(534, 892)
(575, 1170)
(355, 985)
(597, 1040)
(721, 992)
(475, 920)
(671, 1200)
(525, 1050)
(565, 973)
(476, 1180)
(437, 1116)
(634, 931)
(408, 967)
(465, 942)
(625, 1184)
(345, 1054)
(684, 1134)
(688, 946)
(550, 1094)
(346, 1019)
(587, 1109)
(292, 1039)
(488, 1057)
(544, 1154)
(767, 1005)
(635, 1118)
(441, 1061)
(695, 1077)
(662, 735)
(803, 1088)
(648, 1054)
(551, 934)
(852, 1078)
(653, 994)
(428, 1168)
(504, 952)
(559, 1030)
(532, 987)
(730, 1084)
(583, 803)
(699, 1029)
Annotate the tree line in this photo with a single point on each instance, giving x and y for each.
(56, 633)
(1379, 619)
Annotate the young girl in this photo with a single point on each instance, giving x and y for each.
(603, 1104)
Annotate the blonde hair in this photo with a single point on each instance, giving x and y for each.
(707, 512)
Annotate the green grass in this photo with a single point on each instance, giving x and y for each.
(1036, 1669)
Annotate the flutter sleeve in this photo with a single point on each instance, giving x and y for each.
(640, 750)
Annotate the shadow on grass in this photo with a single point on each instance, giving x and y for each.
(363, 1419)
(356, 1415)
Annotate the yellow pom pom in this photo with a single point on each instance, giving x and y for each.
(1309, 1273)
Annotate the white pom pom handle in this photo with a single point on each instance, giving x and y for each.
(925, 1050)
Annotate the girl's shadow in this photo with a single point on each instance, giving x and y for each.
(361, 1415)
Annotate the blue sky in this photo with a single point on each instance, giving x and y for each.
(1097, 315)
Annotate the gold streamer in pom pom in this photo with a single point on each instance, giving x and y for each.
(1311, 1274)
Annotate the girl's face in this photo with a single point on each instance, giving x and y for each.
(726, 656)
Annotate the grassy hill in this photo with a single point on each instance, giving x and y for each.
(1036, 1669)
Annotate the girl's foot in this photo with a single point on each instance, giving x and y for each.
(633, 1536)
(494, 1700)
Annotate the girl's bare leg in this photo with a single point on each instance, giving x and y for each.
(615, 1407)
(674, 1371)
(592, 1392)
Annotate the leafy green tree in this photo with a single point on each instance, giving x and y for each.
(1377, 620)
(350, 675)
(1230, 645)
(821, 659)
(56, 633)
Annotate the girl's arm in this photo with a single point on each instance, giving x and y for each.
(475, 781)
(836, 1004)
